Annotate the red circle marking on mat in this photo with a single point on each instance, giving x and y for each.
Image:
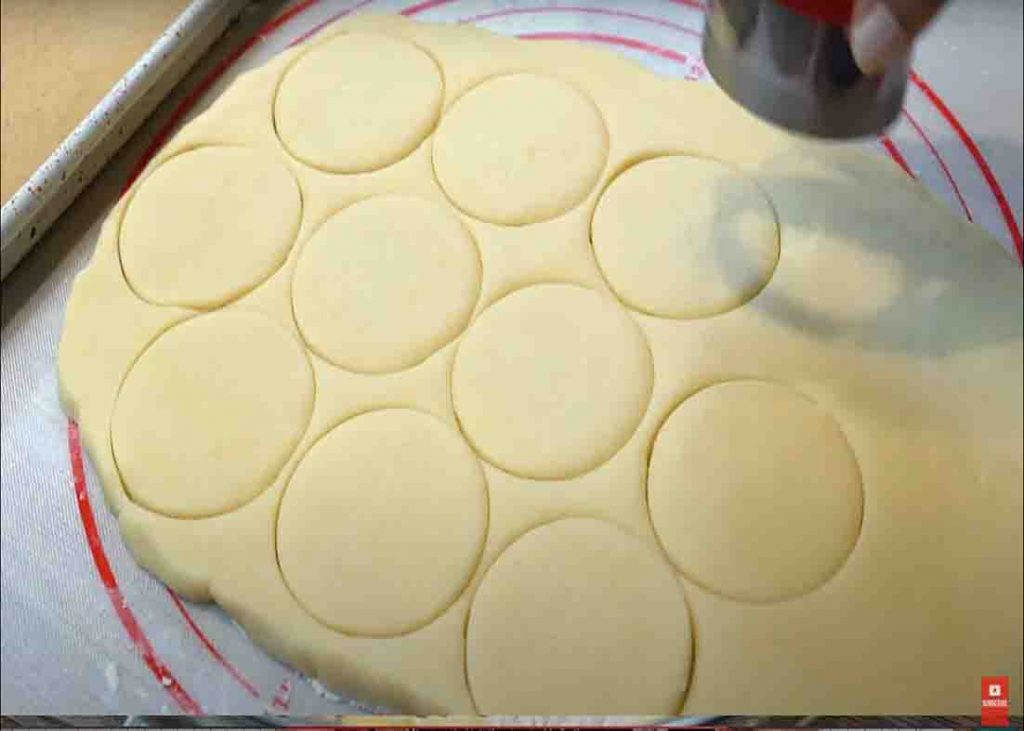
(306, 35)
(942, 163)
(426, 5)
(609, 39)
(609, 12)
(134, 630)
(212, 648)
(979, 160)
(895, 154)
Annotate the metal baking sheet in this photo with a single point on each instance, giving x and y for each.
(44, 196)
(85, 631)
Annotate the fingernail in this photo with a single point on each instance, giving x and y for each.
(877, 38)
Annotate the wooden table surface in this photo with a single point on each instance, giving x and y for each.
(57, 60)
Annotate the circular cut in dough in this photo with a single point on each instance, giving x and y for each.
(754, 491)
(209, 225)
(386, 282)
(382, 523)
(520, 149)
(551, 381)
(357, 102)
(578, 617)
(685, 237)
(210, 412)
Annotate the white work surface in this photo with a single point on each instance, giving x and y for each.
(85, 631)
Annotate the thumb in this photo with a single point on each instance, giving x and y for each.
(883, 31)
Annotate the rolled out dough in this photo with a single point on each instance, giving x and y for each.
(396, 468)
(546, 630)
(501, 165)
(681, 236)
(532, 382)
(754, 491)
(551, 381)
(178, 236)
(386, 282)
(358, 102)
(182, 428)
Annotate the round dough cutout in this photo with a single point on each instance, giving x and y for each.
(210, 412)
(578, 617)
(209, 225)
(685, 237)
(520, 149)
(385, 282)
(382, 523)
(357, 102)
(754, 491)
(551, 381)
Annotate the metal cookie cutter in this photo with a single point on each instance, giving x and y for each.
(789, 61)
